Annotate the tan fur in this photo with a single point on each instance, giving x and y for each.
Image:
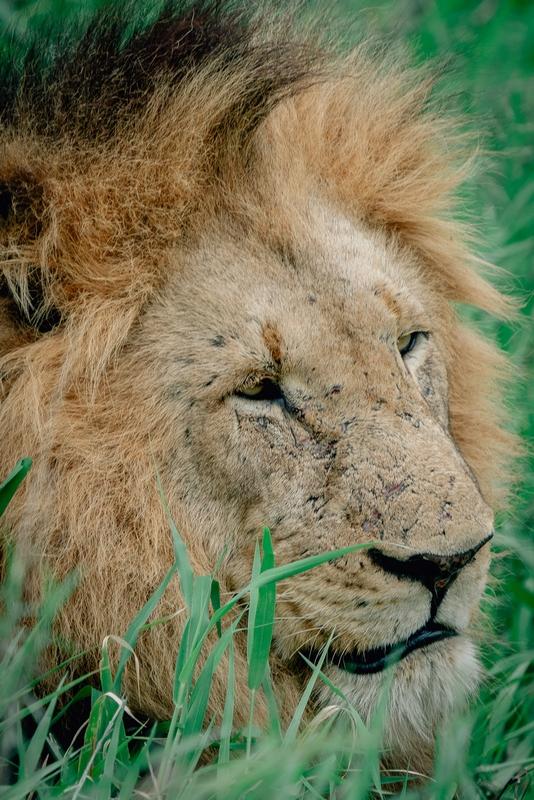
(188, 267)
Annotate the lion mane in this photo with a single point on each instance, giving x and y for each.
(229, 248)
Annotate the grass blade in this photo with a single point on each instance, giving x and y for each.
(253, 602)
(38, 740)
(132, 633)
(105, 784)
(183, 565)
(202, 688)
(199, 617)
(228, 713)
(294, 725)
(198, 625)
(274, 720)
(12, 482)
(261, 622)
(216, 602)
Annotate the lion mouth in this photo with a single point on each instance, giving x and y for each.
(375, 660)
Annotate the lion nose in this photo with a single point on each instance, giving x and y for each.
(435, 572)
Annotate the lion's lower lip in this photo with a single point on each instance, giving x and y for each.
(378, 658)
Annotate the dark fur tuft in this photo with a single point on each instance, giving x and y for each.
(86, 85)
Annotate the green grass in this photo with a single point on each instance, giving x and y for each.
(488, 753)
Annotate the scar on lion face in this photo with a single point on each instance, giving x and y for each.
(273, 342)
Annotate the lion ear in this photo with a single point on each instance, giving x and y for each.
(24, 283)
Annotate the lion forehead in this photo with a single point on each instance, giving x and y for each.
(342, 275)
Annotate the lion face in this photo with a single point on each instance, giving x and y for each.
(309, 393)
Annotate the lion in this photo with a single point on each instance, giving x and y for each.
(230, 250)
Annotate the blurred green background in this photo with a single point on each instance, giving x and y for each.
(488, 47)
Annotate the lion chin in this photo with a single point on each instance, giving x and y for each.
(233, 252)
(428, 688)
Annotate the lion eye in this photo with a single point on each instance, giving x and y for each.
(407, 342)
(263, 390)
(252, 391)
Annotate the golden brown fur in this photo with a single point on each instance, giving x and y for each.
(272, 213)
